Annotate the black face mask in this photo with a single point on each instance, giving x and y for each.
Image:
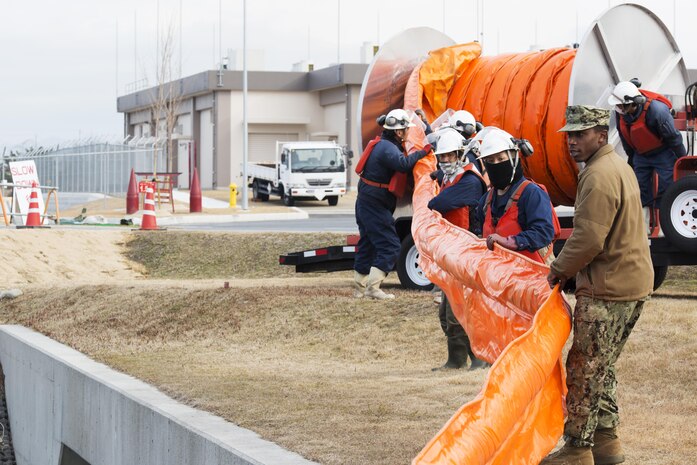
(500, 173)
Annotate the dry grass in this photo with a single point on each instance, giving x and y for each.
(339, 380)
(184, 255)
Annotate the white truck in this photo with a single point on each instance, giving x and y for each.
(302, 171)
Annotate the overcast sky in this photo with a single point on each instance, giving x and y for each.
(64, 63)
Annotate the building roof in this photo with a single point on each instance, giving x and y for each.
(294, 81)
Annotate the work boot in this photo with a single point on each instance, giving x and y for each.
(457, 357)
(607, 449)
(359, 282)
(372, 287)
(570, 455)
(476, 362)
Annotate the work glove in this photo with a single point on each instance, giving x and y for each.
(553, 279)
(434, 175)
(423, 152)
(505, 242)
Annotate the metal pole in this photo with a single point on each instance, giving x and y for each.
(245, 147)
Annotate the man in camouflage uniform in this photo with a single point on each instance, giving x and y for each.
(608, 252)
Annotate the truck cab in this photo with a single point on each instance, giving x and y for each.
(311, 170)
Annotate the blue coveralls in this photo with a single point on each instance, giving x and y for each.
(534, 215)
(466, 193)
(379, 243)
(661, 160)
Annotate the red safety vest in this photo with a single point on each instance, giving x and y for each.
(461, 216)
(508, 223)
(637, 134)
(398, 181)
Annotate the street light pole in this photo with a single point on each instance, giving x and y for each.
(245, 131)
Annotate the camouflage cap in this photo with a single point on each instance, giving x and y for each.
(581, 117)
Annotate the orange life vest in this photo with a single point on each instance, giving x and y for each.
(461, 216)
(398, 181)
(508, 225)
(637, 134)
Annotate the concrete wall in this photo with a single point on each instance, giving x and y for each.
(62, 404)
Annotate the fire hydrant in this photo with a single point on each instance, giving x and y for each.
(233, 195)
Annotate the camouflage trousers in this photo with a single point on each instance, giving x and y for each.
(601, 329)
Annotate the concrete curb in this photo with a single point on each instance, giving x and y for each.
(58, 398)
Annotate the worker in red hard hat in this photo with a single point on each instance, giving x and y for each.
(649, 137)
(515, 213)
(461, 187)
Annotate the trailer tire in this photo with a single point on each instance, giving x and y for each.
(408, 269)
(333, 200)
(258, 195)
(678, 214)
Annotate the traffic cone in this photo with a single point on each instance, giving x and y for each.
(149, 221)
(132, 195)
(34, 215)
(195, 200)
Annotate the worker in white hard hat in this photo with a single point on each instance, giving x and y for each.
(461, 187)
(648, 135)
(464, 122)
(379, 244)
(515, 213)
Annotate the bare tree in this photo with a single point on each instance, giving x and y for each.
(166, 96)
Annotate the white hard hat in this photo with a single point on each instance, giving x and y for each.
(496, 140)
(464, 122)
(449, 141)
(463, 116)
(398, 119)
(623, 93)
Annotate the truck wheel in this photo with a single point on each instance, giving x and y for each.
(333, 200)
(659, 275)
(288, 199)
(678, 214)
(258, 195)
(410, 274)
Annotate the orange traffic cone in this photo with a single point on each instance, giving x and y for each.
(149, 220)
(34, 214)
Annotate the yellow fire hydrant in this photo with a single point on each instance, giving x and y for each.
(233, 195)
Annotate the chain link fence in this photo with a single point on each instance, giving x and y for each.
(95, 166)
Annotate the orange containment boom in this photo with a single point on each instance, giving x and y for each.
(525, 94)
(513, 319)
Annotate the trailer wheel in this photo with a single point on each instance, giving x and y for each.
(659, 275)
(410, 274)
(258, 195)
(678, 214)
(333, 200)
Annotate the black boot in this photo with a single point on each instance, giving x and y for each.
(476, 362)
(457, 356)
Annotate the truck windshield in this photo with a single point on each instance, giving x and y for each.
(316, 160)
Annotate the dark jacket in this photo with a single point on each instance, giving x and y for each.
(534, 215)
(660, 122)
(386, 158)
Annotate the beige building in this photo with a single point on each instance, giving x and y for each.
(281, 106)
